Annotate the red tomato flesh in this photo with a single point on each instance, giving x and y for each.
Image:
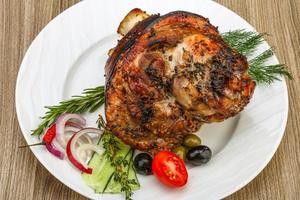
(169, 169)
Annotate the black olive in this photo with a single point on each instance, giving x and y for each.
(143, 164)
(199, 155)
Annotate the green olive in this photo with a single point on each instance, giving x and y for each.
(191, 141)
(180, 151)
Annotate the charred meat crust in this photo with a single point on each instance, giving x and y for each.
(129, 39)
(125, 43)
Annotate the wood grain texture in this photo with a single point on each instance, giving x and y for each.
(23, 177)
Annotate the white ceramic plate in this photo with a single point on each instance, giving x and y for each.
(69, 55)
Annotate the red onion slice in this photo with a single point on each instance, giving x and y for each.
(57, 145)
(88, 147)
(85, 139)
(75, 139)
(72, 129)
(60, 126)
(53, 150)
(75, 124)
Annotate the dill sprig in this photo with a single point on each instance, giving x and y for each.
(121, 165)
(266, 73)
(246, 42)
(89, 101)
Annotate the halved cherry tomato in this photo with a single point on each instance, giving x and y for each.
(169, 169)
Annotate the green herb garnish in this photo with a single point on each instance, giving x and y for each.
(246, 42)
(90, 101)
(121, 176)
(266, 73)
(111, 146)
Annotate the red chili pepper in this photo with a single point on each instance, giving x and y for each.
(50, 134)
(77, 164)
(47, 139)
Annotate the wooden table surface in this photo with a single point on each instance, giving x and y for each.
(23, 177)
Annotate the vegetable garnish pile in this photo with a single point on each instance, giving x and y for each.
(107, 164)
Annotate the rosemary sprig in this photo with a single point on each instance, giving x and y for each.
(111, 146)
(246, 42)
(90, 100)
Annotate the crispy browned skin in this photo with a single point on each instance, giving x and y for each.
(167, 76)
